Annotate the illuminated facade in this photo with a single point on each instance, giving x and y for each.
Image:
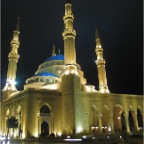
(58, 100)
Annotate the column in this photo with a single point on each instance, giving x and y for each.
(135, 121)
(126, 115)
(111, 122)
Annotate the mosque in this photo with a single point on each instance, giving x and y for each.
(57, 98)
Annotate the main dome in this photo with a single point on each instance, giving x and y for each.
(45, 74)
(56, 57)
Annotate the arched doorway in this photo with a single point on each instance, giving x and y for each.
(117, 119)
(139, 119)
(44, 129)
(93, 119)
(131, 122)
(105, 119)
(123, 123)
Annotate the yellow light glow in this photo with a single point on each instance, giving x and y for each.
(23, 135)
(52, 87)
(90, 88)
(79, 129)
(94, 128)
(109, 128)
(72, 71)
(67, 72)
(14, 135)
(76, 72)
(102, 91)
(107, 91)
(10, 85)
(59, 133)
(36, 134)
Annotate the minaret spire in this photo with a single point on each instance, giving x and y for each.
(68, 1)
(13, 59)
(69, 35)
(101, 66)
(53, 51)
(18, 24)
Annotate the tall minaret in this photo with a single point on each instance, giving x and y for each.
(101, 66)
(13, 59)
(69, 35)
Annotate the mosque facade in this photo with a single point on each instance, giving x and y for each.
(57, 98)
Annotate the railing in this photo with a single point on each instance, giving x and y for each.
(44, 114)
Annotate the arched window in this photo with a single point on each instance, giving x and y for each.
(36, 80)
(44, 109)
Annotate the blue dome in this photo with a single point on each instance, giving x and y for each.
(57, 57)
(45, 74)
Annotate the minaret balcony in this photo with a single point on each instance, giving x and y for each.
(68, 16)
(100, 62)
(15, 42)
(97, 50)
(13, 56)
(104, 89)
(69, 32)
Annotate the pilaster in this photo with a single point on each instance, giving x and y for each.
(100, 122)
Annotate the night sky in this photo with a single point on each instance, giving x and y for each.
(120, 26)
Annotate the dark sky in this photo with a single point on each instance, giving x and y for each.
(120, 26)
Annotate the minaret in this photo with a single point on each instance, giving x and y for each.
(70, 79)
(69, 35)
(103, 88)
(13, 59)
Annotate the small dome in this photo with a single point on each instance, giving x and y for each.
(57, 57)
(45, 74)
